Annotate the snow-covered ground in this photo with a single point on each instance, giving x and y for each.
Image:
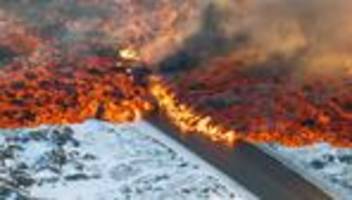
(328, 167)
(98, 161)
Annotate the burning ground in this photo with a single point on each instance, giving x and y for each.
(256, 82)
(97, 87)
(267, 104)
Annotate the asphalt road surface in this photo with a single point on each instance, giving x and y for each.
(261, 174)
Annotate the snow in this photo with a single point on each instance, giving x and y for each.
(97, 160)
(328, 167)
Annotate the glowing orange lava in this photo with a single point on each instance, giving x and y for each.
(225, 100)
(248, 109)
(186, 118)
(92, 87)
(266, 106)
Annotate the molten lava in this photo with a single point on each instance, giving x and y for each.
(186, 118)
(261, 105)
(209, 102)
(225, 100)
(92, 87)
(221, 108)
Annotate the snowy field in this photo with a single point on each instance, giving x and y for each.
(101, 161)
(329, 168)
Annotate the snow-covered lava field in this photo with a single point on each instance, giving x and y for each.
(328, 167)
(97, 160)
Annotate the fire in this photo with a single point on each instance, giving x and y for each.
(224, 101)
(293, 134)
(153, 29)
(93, 87)
(129, 54)
(186, 118)
(260, 106)
(70, 92)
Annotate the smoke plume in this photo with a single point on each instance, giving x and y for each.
(306, 38)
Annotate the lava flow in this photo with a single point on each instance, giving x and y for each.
(226, 70)
(188, 119)
(261, 104)
(56, 93)
(221, 108)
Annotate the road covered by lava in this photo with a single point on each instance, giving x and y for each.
(220, 83)
(269, 105)
(220, 107)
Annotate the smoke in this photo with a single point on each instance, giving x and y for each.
(311, 38)
(153, 28)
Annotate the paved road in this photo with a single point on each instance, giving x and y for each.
(249, 166)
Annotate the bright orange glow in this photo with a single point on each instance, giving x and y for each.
(264, 107)
(95, 88)
(129, 54)
(53, 94)
(186, 118)
(230, 98)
